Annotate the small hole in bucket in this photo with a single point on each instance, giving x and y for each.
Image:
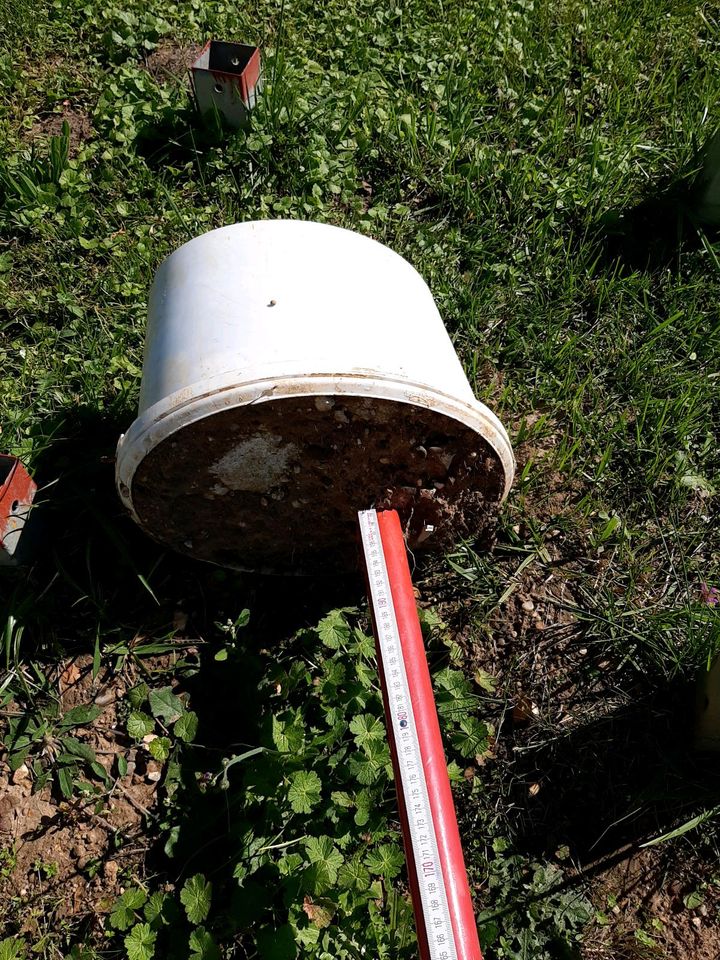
(218, 88)
(15, 505)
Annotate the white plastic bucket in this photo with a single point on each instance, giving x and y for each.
(282, 359)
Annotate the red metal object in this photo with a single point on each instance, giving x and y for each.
(17, 489)
(433, 755)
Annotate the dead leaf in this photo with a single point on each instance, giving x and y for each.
(319, 912)
(524, 710)
(69, 675)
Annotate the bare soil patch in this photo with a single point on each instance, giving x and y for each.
(170, 61)
(72, 857)
(649, 891)
(77, 119)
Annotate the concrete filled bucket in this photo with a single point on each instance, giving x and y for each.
(294, 374)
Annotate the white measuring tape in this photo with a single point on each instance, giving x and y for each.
(401, 723)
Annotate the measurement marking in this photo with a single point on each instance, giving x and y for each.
(401, 724)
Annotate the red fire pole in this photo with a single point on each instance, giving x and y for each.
(434, 766)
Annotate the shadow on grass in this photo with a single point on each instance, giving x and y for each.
(677, 215)
(652, 234)
(89, 567)
(183, 136)
(615, 782)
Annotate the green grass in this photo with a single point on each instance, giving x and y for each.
(494, 145)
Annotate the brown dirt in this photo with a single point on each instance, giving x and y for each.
(583, 758)
(72, 857)
(81, 128)
(168, 61)
(276, 486)
(647, 891)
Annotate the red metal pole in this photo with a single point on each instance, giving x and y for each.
(423, 945)
(431, 749)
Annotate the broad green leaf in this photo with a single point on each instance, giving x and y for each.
(364, 801)
(138, 695)
(367, 729)
(693, 900)
(290, 863)
(486, 681)
(334, 673)
(453, 694)
(140, 942)
(160, 748)
(79, 716)
(124, 908)
(489, 933)
(368, 766)
(242, 620)
(186, 726)
(173, 835)
(699, 483)
(202, 946)
(430, 621)
(353, 875)
(155, 909)
(76, 748)
(364, 645)
(288, 731)
(366, 674)
(12, 948)
(309, 938)
(251, 857)
(453, 681)
(139, 725)
(164, 705)
(456, 774)
(386, 860)
(321, 849)
(195, 897)
(342, 799)
(304, 792)
(325, 861)
(79, 749)
(471, 738)
(65, 777)
(334, 629)
(100, 772)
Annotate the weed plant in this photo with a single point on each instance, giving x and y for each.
(524, 156)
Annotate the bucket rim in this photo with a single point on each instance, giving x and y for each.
(201, 400)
